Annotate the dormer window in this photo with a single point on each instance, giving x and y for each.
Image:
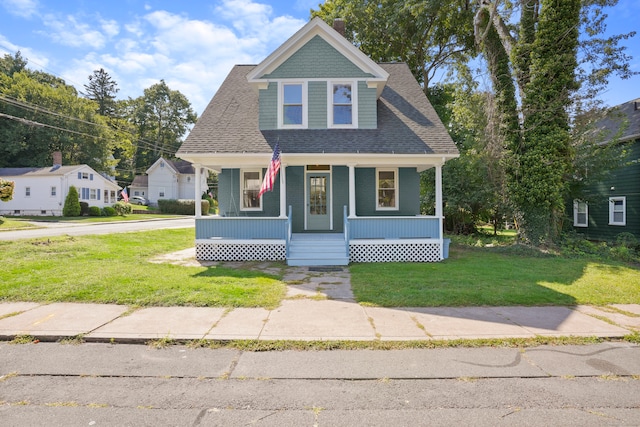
(342, 108)
(293, 105)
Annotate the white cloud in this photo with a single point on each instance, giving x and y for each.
(23, 8)
(110, 27)
(34, 58)
(71, 32)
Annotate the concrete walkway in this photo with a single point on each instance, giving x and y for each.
(319, 306)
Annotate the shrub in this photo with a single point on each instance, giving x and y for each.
(181, 207)
(6, 190)
(123, 209)
(108, 211)
(84, 208)
(71, 203)
(95, 211)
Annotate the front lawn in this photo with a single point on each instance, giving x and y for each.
(10, 224)
(495, 277)
(117, 269)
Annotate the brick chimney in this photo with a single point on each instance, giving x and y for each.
(338, 25)
(57, 158)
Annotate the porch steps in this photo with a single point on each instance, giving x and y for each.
(317, 250)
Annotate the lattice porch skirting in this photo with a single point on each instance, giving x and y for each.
(394, 252)
(241, 250)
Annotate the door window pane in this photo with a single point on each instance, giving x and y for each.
(318, 195)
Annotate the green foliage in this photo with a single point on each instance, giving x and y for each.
(84, 208)
(6, 190)
(123, 209)
(427, 35)
(71, 203)
(213, 204)
(102, 90)
(182, 207)
(95, 211)
(625, 248)
(109, 211)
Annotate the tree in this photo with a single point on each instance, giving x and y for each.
(71, 203)
(6, 190)
(41, 114)
(428, 35)
(543, 64)
(12, 64)
(102, 89)
(161, 118)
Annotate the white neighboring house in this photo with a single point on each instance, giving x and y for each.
(168, 179)
(42, 191)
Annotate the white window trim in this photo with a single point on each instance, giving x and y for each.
(576, 211)
(624, 210)
(354, 104)
(396, 185)
(53, 191)
(241, 199)
(305, 104)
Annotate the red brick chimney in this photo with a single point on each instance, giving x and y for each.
(57, 158)
(338, 25)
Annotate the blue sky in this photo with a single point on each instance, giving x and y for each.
(191, 44)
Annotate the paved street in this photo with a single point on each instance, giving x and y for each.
(50, 229)
(119, 384)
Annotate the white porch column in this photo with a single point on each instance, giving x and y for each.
(439, 207)
(283, 191)
(198, 194)
(352, 191)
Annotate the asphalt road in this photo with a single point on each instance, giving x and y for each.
(109, 385)
(51, 229)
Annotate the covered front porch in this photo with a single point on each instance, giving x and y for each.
(326, 214)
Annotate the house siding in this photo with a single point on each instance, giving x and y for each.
(340, 196)
(317, 105)
(295, 197)
(625, 183)
(229, 196)
(316, 59)
(408, 191)
(367, 107)
(268, 107)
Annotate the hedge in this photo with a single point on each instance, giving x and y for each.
(181, 207)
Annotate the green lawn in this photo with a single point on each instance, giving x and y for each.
(493, 277)
(10, 224)
(116, 269)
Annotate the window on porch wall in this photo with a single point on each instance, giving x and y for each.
(387, 189)
(250, 187)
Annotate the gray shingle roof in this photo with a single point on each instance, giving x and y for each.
(407, 123)
(628, 114)
(48, 171)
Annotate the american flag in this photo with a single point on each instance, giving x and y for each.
(125, 196)
(272, 171)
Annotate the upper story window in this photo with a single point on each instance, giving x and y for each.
(293, 105)
(54, 191)
(342, 108)
(27, 191)
(617, 211)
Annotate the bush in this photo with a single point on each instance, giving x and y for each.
(84, 208)
(95, 211)
(108, 211)
(71, 203)
(123, 209)
(181, 207)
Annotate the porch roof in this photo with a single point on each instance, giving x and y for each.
(407, 125)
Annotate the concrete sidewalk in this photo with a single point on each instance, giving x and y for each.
(319, 306)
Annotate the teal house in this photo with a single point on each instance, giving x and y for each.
(612, 206)
(352, 135)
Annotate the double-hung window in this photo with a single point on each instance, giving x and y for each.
(293, 108)
(250, 182)
(342, 106)
(617, 211)
(580, 214)
(387, 189)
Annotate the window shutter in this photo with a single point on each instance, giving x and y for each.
(98, 193)
(91, 177)
(79, 175)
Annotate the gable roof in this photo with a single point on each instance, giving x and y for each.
(47, 171)
(140, 181)
(177, 166)
(407, 124)
(314, 28)
(627, 114)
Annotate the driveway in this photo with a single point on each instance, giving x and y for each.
(51, 229)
